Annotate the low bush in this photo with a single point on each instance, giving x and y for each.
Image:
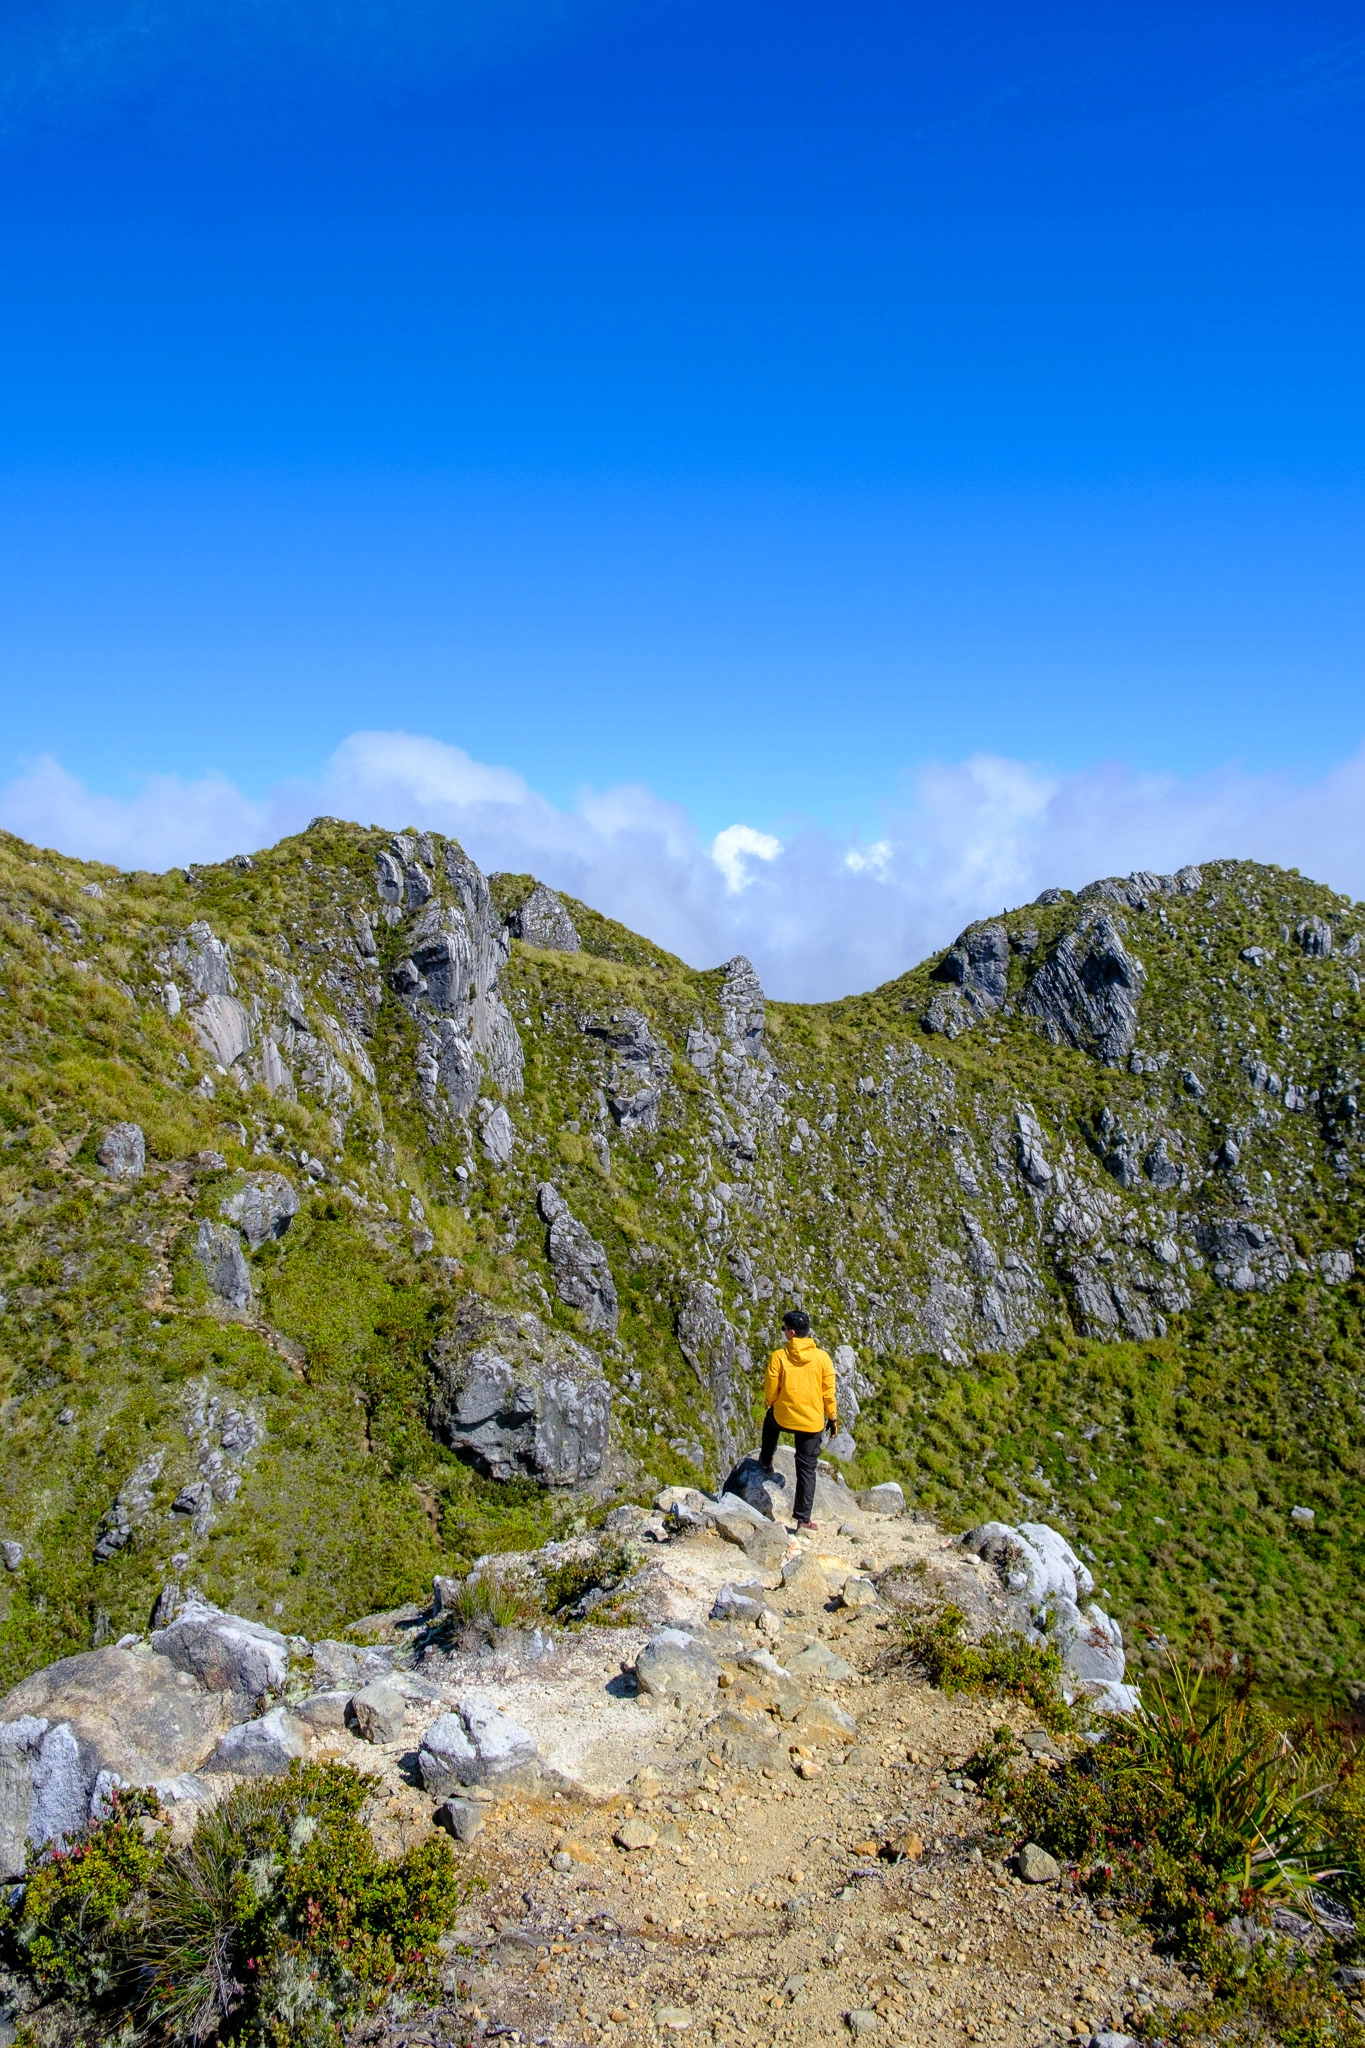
(1199, 1816)
(278, 1922)
(1002, 1662)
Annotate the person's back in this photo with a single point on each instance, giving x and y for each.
(800, 1396)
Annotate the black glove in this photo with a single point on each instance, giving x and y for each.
(832, 1428)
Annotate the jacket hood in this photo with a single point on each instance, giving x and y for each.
(800, 1347)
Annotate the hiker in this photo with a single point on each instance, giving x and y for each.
(799, 1391)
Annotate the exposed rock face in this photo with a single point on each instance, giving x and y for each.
(496, 1132)
(263, 1207)
(220, 1254)
(263, 1748)
(122, 1152)
(518, 1398)
(131, 1509)
(976, 967)
(543, 921)
(641, 1067)
(582, 1275)
(45, 1784)
(450, 977)
(1046, 1582)
(220, 1021)
(1087, 991)
(713, 1351)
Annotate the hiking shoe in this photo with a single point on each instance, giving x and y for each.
(769, 1472)
(809, 1527)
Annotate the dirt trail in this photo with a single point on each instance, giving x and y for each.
(764, 1911)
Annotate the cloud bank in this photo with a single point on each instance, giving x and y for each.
(819, 916)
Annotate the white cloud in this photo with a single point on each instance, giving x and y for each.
(818, 916)
(732, 848)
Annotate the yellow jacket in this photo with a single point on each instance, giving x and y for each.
(800, 1386)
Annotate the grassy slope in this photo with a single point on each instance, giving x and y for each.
(1246, 1405)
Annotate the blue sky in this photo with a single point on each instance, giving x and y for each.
(765, 412)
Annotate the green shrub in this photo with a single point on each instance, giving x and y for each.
(278, 1922)
(71, 1930)
(501, 1602)
(1002, 1662)
(1198, 1815)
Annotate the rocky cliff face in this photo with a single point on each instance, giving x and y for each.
(1080, 1201)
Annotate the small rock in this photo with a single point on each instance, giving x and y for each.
(122, 1152)
(13, 1554)
(804, 1584)
(822, 1720)
(323, 1712)
(463, 1820)
(1035, 1866)
(264, 1748)
(561, 1861)
(886, 1499)
(858, 1592)
(377, 1711)
(635, 1835)
(1109, 2040)
(1305, 1517)
(674, 2017)
(819, 1661)
(861, 2021)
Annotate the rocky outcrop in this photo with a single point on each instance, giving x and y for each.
(518, 1399)
(1086, 992)
(709, 1344)
(1046, 1582)
(220, 1254)
(639, 1069)
(122, 1152)
(263, 1207)
(46, 1780)
(578, 1262)
(976, 969)
(220, 1021)
(543, 920)
(131, 1509)
(450, 977)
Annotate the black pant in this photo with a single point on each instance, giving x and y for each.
(808, 1442)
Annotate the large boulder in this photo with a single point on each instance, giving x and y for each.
(225, 1652)
(578, 1262)
(1045, 1584)
(139, 1713)
(477, 1745)
(519, 1399)
(46, 1779)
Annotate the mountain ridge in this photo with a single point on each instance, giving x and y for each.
(1095, 1168)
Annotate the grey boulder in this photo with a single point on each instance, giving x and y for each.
(519, 1399)
(122, 1152)
(46, 1780)
(263, 1748)
(477, 1745)
(262, 1208)
(348, 1666)
(138, 1713)
(675, 1666)
(461, 1819)
(225, 1652)
(377, 1712)
(752, 1531)
(1035, 1866)
(225, 1268)
(886, 1499)
(578, 1262)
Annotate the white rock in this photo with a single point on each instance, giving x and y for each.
(264, 1748)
